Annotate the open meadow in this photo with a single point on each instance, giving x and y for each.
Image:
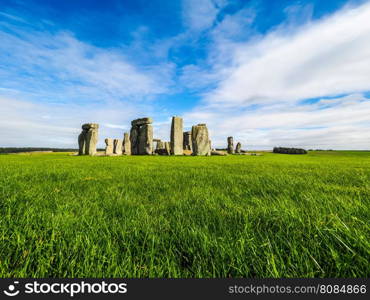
(273, 215)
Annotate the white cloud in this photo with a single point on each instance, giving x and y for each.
(24, 123)
(200, 15)
(325, 124)
(260, 85)
(326, 57)
(50, 84)
(59, 66)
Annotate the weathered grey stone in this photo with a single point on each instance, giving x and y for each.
(134, 140)
(187, 145)
(126, 144)
(145, 139)
(82, 142)
(161, 148)
(167, 147)
(88, 139)
(230, 145)
(188, 152)
(117, 146)
(108, 146)
(238, 148)
(177, 136)
(160, 145)
(141, 136)
(200, 140)
(141, 121)
(219, 153)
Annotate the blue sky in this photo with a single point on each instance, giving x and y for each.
(270, 73)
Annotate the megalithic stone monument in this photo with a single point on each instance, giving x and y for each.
(187, 145)
(230, 145)
(126, 144)
(141, 136)
(134, 140)
(177, 136)
(88, 139)
(238, 148)
(117, 146)
(109, 146)
(167, 147)
(146, 139)
(160, 148)
(200, 140)
(160, 145)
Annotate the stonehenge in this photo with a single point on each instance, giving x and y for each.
(167, 147)
(88, 139)
(177, 136)
(161, 148)
(140, 141)
(108, 146)
(238, 148)
(200, 140)
(160, 145)
(117, 146)
(230, 145)
(141, 136)
(187, 144)
(126, 144)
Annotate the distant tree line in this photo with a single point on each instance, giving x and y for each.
(284, 150)
(31, 149)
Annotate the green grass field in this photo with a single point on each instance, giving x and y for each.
(274, 215)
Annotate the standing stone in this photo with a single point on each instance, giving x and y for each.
(134, 140)
(200, 140)
(88, 139)
(187, 145)
(161, 148)
(108, 146)
(167, 147)
(145, 139)
(126, 144)
(177, 136)
(141, 136)
(160, 145)
(238, 148)
(117, 146)
(82, 142)
(230, 145)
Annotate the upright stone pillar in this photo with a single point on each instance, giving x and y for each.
(109, 146)
(177, 136)
(230, 145)
(126, 144)
(141, 136)
(82, 142)
(134, 140)
(88, 139)
(117, 146)
(160, 145)
(200, 140)
(146, 139)
(238, 148)
(187, 145)
(167, 147)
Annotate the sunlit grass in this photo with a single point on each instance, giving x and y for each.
(274, 215)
